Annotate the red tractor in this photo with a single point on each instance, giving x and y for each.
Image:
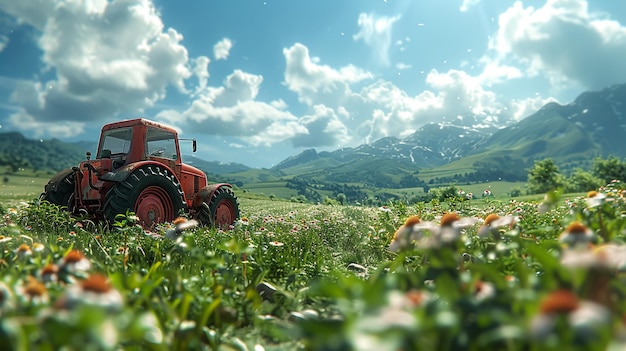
(138, 168)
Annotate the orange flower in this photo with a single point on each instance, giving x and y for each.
(75, 261)
(96, 291)
(49, 273)
(577, 233)
(23, 252)
(34, 291)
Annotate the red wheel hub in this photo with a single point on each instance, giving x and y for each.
(153, 206)
(224, 214)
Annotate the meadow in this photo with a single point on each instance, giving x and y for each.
(487, 274)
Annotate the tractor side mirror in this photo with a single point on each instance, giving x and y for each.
(194, 146)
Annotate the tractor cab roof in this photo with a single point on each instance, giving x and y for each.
(138, 121)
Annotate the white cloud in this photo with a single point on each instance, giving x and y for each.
(105, 56)
(60, 129)
(34, 13)
(402, 66)
(314, 82)
(232, 110)
(565, 42)
(201, 70)
(467, 4)
(221, 50)
(376, 31)
(380, 108)
(324, 128)
(524, 108)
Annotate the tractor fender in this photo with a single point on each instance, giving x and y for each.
(56, 179)
(123, 172)
(205, 194)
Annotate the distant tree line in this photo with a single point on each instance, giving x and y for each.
(546, 176)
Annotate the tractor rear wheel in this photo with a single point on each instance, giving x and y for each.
(60, 194)
(151, 192)
(222, 210)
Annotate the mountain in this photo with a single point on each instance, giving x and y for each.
(572, 135)
(17, 151)
(214, 167)
(593, 123)
(431, 145)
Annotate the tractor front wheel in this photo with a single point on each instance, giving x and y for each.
(59, 190)
(151, 192)
(221, 210)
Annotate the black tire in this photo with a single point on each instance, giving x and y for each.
(151, 192)
(222, 210)
(60, 193)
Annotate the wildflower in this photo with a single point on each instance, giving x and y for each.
(406, 235)
(49, 273)
(486, 192)
(122, 250)
(93, 291)
(384, 209)
(72, 233)
(493, 223)
(244, 221)
(594, 198)
(38, 247)
(484, 290)
(276, 243)
(582, 316)
(74, 262)
(23, 252)
(582, 258)
(575, 234)
(4, 239)
(180, 225)
(613, 254)
(451, 227)
(34, 292)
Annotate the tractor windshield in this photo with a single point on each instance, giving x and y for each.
(161, 143)
(117, 141)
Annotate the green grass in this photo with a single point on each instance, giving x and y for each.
(20, 186)
(291, 276)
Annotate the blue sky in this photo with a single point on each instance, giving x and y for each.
(258, 81)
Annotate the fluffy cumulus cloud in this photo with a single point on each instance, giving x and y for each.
(104, 56)
(201, 71)
(564, 41)
(375, 31)
(324, 128)
(315, 82)
(232, 110)
(372, 108)
(221, 50)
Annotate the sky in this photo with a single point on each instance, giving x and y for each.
(257, 81)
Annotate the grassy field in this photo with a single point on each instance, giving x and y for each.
(484, 275)
(20, 186)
